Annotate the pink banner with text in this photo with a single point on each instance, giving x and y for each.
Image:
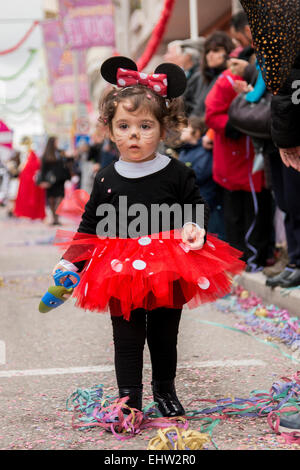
(60, 65)
(87, 23)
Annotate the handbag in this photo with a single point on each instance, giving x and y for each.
(49, 177)
(253, 119)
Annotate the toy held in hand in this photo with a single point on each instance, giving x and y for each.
(59, 293)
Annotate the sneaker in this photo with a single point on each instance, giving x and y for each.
(277, 280)
(290, 423)
(292, 281)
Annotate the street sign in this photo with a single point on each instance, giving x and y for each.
(81, 139)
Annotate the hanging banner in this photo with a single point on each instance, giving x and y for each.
(87, 23)
(60, 66)
(63, 90)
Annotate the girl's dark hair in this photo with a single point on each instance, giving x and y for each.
(169, 113)
(49, 152)
(213, 42)
(197, 123)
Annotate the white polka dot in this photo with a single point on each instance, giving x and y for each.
(165, 81)
(121, 82)
(155, 75)
(145, 241)
(123, 70)
(203, 283)
(211, 245)
(157, 88)
(160, 241)
(116, 265)
(139, 264)
(143, 76)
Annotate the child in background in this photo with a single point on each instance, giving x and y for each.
(144, 280)
(198, 157)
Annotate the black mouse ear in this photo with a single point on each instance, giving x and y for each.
(110, 67)
(176, 79)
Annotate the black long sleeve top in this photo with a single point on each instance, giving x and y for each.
(169, 198)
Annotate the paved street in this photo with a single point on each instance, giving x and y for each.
(49, 356)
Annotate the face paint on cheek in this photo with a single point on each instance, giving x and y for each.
(150, 136)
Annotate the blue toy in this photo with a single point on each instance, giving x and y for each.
(59, 293)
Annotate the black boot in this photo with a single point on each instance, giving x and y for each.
(135, 397)
(164, 395)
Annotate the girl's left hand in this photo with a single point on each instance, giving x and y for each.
(193, 236)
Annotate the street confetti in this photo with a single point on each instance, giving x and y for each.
(255, 317)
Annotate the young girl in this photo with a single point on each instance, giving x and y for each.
(139, 269)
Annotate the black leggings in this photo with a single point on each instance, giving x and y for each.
(160, 327)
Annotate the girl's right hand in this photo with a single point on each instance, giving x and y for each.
(62, 268)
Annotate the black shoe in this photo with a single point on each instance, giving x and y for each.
(293, 280)
(164, 395)
(135, 395)
(277, 280)
(290, 423)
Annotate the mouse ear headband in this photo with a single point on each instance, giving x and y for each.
(168, 80)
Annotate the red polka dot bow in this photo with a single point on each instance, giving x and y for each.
(157, 82)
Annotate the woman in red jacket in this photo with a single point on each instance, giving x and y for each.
(247, 204)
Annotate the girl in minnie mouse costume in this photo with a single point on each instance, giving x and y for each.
(142, 272)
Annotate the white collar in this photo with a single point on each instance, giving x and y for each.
(139, 169)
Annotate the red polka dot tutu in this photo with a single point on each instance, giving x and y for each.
(148, 272)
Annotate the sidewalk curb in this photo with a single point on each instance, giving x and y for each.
(284, 299)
